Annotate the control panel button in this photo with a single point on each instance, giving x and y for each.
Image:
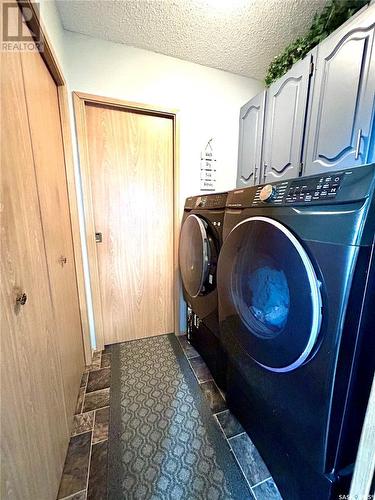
(267, 193)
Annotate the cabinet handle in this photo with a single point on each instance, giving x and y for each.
(264, 171)
(358, 145)
(21, 299)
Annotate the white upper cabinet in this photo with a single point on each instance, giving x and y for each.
(250, 141)
(285, 120)
(319, 116)
(342, 105)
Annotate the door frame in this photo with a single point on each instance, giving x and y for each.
(49, 57)
(80, 99)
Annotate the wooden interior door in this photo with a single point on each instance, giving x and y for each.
(47, 144)
(130, 157)
(34, 431)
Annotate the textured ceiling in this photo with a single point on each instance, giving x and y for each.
(240, 36)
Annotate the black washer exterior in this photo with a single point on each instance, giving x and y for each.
(306, 423)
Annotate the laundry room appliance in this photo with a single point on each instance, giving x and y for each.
(296, 285)
(200, 243)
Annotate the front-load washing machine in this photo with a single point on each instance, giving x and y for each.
(296, 285)
(200, 243)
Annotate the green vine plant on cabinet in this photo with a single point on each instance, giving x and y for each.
(333, 15)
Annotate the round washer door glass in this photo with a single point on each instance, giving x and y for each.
(273, 289)
(194, 254)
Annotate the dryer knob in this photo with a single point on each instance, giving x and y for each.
(267, 193)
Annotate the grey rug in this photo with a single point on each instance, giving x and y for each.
(164, 443)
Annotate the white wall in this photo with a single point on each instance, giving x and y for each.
(208, 100)
(51, 20)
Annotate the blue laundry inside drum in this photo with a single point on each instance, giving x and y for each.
(269, 302)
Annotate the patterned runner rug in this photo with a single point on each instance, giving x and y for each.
(164, 443)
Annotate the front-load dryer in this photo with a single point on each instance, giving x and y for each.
(200, 243)
(296, 285)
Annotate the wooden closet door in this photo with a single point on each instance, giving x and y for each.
(34, 432)
(47, 145)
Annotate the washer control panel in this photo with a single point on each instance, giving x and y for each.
(302, 190)
(270, 193)
(337, 187)
(315, 189)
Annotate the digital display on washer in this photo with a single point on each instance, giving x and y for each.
(318, 188)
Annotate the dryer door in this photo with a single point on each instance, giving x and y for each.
(269, 294)
(194, 255)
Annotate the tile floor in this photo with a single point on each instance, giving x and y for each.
(85, 470)
(247, 456)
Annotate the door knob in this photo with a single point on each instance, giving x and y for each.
(98, 237)
(62, 260)
(21, 299)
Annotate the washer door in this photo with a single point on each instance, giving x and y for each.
(270, 294)
(194, 254)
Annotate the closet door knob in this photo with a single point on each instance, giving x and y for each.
(21, 299)
(62, 260)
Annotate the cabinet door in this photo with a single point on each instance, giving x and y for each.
(285, 121)
(43, 110)
(34, 432)
(250, 141)
(338, 134)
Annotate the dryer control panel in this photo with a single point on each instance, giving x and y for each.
(338, 187)
(211, 201)
(206, 201)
